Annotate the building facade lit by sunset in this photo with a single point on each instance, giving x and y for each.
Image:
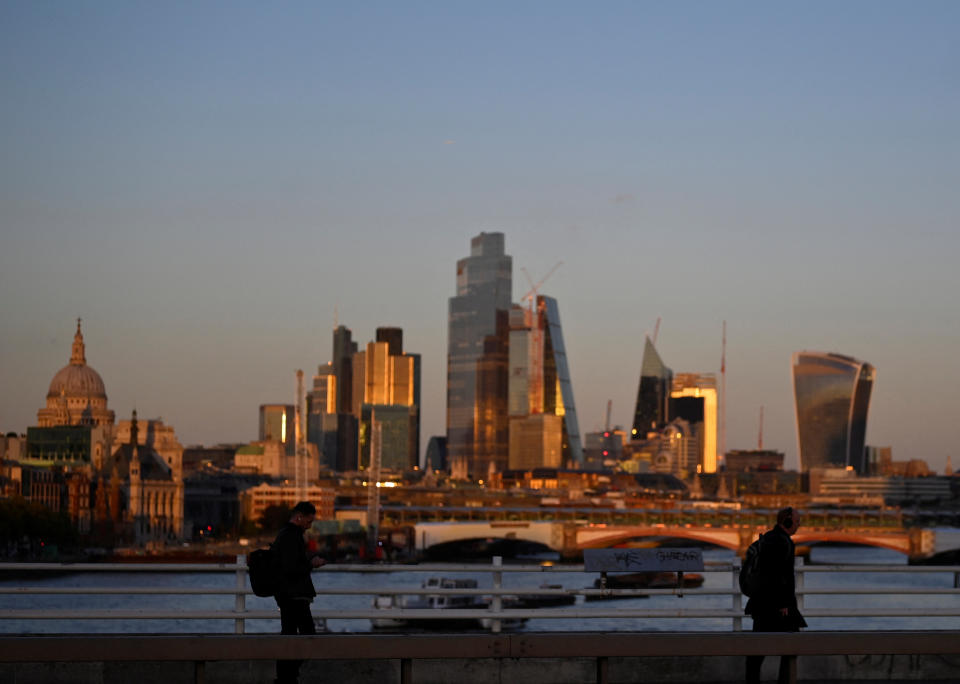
(544, 431)
(832, 398)
(693, 398)
(477, 424)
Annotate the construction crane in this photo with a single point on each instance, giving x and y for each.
(760, 433)
(299, 467)
(534, 322)
(723, 395)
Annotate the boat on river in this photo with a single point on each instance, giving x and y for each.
(646, 580)
(440, 602)
(543, 600)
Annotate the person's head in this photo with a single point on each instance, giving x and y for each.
(303, 514)
(788, 519)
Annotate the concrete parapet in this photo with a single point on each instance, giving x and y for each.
(649, 670)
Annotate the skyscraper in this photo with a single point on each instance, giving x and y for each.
(477, 428)
(343, 350)
(331, 424)
(544, 431)
(832, 397)
(653, 396)
(386, 392)
(693, 398)
(277, 423)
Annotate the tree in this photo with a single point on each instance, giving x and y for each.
(273, 518)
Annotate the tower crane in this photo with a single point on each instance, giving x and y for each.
(534, 321)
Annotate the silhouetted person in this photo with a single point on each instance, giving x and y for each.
(774, 607)
(295, 589)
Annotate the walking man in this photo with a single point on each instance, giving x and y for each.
(295, 588)
(774, 607)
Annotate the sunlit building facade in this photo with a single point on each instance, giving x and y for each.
(477, 425)
(278, 422)
(832, 398)
(693, 398)
(539, 385)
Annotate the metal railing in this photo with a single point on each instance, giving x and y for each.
(495, 613)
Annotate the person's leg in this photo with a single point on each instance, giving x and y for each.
(753, 669)
(287, 670)
(788, 670)
(755, 662)
(305, 619)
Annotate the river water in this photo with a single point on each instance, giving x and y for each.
(396, 582)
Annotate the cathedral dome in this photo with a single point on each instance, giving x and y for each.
(76, 395)
(76, 381)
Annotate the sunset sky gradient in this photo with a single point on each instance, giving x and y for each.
(206, 184)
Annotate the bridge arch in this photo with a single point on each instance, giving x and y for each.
(605, 537)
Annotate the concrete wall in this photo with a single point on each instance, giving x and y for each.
(821, 669)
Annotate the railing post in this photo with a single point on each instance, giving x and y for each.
(737, 608)
(406, 671)
(497, 598)
(799, 575)
(199, 668)
(602, 673)
(240, 598)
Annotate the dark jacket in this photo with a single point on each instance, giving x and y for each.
(778, 586)
(294, 562)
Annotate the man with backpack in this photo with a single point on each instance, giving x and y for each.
(773, 604)
(294, 589)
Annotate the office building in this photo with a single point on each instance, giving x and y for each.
(832, 397)
(693, 398)
(386, 392)
(652, 411)
(343, 350)
(278, 423)
(397, 436)
(477, 425)
(539, 385)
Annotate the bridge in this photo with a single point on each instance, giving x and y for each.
(570, 539)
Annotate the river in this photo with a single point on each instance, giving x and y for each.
(396, 582)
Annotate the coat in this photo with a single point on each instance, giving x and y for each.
(778, 588)
(294, 564)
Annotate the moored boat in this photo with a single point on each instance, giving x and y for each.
(440, 601)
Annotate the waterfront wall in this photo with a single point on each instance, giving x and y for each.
(650, 670)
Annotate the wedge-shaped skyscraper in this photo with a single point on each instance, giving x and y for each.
(653, 396)
(832, 396)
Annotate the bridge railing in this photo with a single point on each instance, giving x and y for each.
(696, 604)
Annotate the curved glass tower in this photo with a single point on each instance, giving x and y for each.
(832, 397)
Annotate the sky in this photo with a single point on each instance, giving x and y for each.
(211, 186)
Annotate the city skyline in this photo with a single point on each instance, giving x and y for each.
(212, 188)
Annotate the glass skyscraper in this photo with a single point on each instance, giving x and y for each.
(539, 385)
(832, 396)
(557, 388)
(477, 425)
(653, 397)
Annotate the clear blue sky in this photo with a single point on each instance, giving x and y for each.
(204, 183)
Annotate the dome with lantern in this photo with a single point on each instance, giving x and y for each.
(77, 395)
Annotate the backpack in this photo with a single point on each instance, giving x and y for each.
(262, 568)
(750, 580)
